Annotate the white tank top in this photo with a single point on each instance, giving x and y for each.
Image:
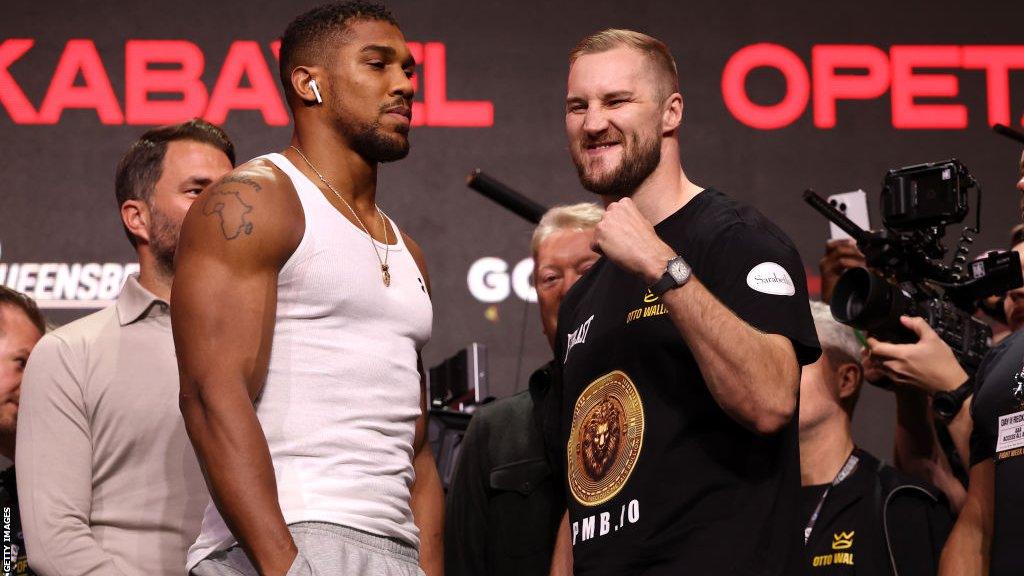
(342, 395)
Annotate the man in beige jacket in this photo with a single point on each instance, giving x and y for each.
(108, 481)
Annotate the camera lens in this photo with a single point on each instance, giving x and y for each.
(854, 306)
(869, 302)
(850, 298)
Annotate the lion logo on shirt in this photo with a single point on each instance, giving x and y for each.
(601, 438)
(606, 437)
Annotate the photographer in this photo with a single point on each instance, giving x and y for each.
(917, 451)
(982, 542)
(928, 367)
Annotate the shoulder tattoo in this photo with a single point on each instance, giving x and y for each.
(229, 206)
(242, 179)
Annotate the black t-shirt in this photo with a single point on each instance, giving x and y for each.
(998, 433)
(848, 535)
(660, 479)
(809, 498)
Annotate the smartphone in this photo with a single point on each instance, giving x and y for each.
(855, 206)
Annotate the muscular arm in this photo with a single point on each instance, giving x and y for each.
(752, 375)
(427, 499)
(968, 547)
(234, 241)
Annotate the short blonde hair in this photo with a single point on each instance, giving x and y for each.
(655, 50)
(577, 217)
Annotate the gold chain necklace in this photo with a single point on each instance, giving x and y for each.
(384, 272)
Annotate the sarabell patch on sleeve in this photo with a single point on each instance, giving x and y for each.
(770, 278)
(1010, 441)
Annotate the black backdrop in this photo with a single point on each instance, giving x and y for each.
(56, 203)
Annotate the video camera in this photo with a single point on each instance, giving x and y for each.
(907, 275)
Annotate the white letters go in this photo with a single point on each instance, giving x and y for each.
(489, 281)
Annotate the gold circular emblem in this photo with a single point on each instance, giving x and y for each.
(607, 433)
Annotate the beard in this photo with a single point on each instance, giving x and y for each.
(163, 240)
(373, 142)
(640, 157)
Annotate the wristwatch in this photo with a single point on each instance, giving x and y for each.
(677, 273)
(947, 404)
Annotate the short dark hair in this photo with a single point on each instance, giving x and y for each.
(304, 39)
(25, 304)
(143, 164)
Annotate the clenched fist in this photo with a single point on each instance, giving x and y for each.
(626, 238)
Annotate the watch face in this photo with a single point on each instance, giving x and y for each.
(942, 403)
(679, 270)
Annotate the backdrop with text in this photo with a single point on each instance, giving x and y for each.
(778, 98)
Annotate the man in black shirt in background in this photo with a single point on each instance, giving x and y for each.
(860, 515)
(680, 350)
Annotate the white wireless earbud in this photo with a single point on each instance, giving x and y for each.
(316, 91)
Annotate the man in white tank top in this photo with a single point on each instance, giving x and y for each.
(299, 312)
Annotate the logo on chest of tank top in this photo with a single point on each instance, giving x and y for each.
(606, 438)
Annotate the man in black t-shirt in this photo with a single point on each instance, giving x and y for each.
(989, 532)
(680, 350)
(860, 516)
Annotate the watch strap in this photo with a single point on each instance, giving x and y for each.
(669, 280)
(664, 284)
(947, 404)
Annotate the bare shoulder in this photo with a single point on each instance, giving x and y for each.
(417, 255)
(252, 209)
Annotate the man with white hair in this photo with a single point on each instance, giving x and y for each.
(505, 502)
(861, 516)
